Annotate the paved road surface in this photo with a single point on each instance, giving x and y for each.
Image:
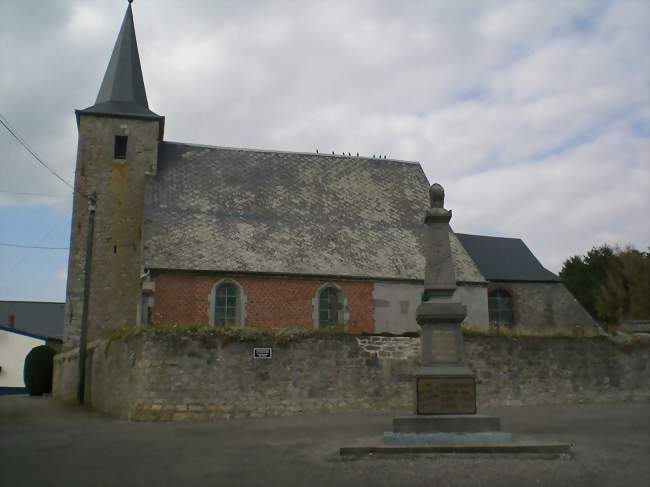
(44, 444)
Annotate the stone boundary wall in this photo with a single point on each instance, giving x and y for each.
(396, 348)
(180, 376)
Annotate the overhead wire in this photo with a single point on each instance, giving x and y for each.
(24, 257)
(22, 142)
(27, 193)
(20, 246)
(14, 133)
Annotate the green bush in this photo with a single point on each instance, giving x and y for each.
(39, 364)
(229, 334)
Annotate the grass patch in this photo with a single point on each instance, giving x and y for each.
(229, 333)
(629, 341)
(125, 332)
(566, 332)
(296, 333)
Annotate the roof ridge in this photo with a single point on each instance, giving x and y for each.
(488, 236)
(272, 151)
(23, 333)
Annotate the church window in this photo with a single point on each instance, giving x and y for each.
(120, 147)
(226, 304)
(500, 308)
(330, 307)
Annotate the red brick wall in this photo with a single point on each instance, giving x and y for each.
(360, 305)
(271, 302)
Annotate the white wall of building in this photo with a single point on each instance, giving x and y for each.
(395, 305)
(14, 347)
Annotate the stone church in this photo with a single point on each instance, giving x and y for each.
(208, 235)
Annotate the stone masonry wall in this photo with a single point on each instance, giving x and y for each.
(271, 302)
(180, 376)
(547, 307)
(117, 242)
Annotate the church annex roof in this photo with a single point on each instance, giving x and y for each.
(122, 91)
(240, 210)
(33, 317)
(505, 259)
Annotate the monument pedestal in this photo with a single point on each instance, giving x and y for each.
(443, 384)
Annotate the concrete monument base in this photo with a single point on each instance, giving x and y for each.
(465, 429)
(457, 423)
(448, 439)
(552, 450)
(456, 433)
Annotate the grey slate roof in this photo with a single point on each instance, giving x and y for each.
(505, 259)
(122, 91)
(239, 210)
(33, 317)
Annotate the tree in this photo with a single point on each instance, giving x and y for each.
(584, 276)
(37, 372)
(625, 292)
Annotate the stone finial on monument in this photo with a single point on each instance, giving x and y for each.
(444, 383)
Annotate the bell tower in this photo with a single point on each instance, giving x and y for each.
(117, 150)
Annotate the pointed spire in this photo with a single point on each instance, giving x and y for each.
(122, 91)
(123, 79)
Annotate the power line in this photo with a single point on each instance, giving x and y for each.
(25, 256)
(26, 193)
(4, 244)
(22, 142)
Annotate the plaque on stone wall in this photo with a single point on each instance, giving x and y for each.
(446, 395)
(262, 352)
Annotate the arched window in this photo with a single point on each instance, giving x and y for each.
(500, 308)
(330, 306)
(227, 304)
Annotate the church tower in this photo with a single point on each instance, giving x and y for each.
(117, 149)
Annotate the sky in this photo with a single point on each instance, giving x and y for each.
(534, 115)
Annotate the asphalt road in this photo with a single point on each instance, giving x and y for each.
(44, 444)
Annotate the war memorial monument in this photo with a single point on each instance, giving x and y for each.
(446, 419)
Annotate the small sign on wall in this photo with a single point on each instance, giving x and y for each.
(262, 352)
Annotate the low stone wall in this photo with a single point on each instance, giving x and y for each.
(181, 376)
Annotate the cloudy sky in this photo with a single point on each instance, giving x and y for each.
(535, 116)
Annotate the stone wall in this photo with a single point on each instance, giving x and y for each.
(184, 376)
(546, 307)
(117, 243)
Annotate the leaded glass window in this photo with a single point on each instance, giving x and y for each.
(226, 304)
(500, 308)
(330, 306)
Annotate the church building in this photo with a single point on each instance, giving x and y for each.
(208, 235)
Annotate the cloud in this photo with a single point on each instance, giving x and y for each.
(62, 274)
(594, 193)
(534, 115)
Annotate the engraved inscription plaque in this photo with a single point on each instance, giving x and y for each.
(446, 395)
(445, 345)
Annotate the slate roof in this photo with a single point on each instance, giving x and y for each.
(34, 317)
(122, 91)
(505, 259)
(242, 210)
